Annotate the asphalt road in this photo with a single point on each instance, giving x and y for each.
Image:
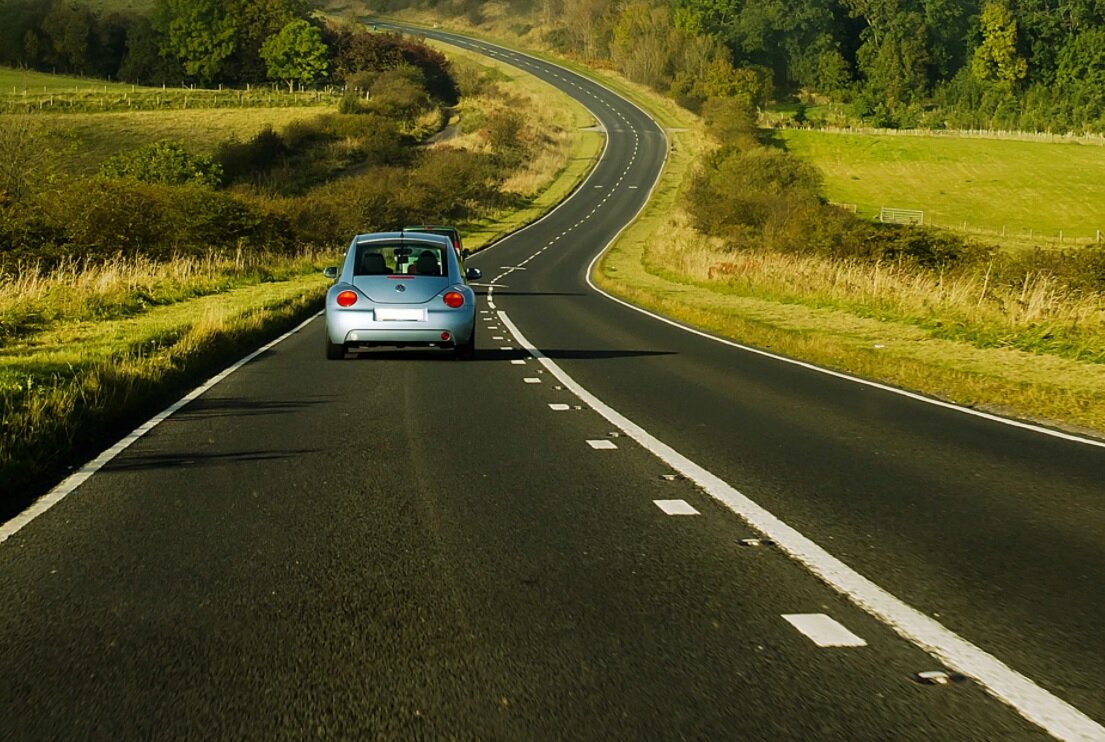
(400, 545)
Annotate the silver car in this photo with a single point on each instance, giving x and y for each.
(404, 289)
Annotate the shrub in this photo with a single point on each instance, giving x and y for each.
(504, 130)
(101, 217)
(357, 50)
(749, 189)
(163, 162)
(241, 159)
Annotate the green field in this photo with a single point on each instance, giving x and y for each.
(1028, 190)
(14, 82)
(86, 139)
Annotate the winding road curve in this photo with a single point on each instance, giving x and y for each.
(544, 543)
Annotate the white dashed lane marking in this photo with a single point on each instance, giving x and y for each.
(676, 507)
(559, 407)
(602, 445)
(532, 380)
(518, 362)
(823, 630)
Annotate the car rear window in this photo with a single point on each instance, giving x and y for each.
(450, 232)
(400, 259)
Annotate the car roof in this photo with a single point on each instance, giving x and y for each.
(402, 237)
(432, 228)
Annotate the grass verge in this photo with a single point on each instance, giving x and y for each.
(79, 382)
(1052, 389)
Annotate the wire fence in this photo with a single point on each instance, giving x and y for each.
(1006, 235)
(1015, 235)
(112, 98)
(1010, 135)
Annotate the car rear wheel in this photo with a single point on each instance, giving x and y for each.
(334, 351)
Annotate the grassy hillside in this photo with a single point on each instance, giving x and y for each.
(89, 138)
(1027, 189)
(15, 82)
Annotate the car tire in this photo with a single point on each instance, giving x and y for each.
(334, 351)
(467, 351)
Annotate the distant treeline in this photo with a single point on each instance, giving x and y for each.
(1020, 64)
(207, 42)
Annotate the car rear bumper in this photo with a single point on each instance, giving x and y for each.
(351, 329)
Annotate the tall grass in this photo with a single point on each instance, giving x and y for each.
(1039, 314)
(33, 298)
(91, 346)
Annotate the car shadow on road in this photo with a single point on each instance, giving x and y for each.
(500, 292)
(192, 459)
(566, 354)
(497, 354)
(245, 407)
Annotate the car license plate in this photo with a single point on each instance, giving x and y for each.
(389, 314)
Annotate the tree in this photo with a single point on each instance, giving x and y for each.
(198, 33)
(296, 54)
(996, 58)
(643, 40)
(69, 30)
(256, 21)
(143, 62)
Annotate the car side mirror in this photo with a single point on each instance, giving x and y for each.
(465, 252)
(331, 272)
(473, 274)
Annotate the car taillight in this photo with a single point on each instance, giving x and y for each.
(454, 299)
(347, 298)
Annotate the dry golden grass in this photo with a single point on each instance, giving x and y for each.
(32, 300)
(1038, 305)
(552, 121)
(99, 354)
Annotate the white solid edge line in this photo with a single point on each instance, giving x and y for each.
(1034, 703)
(75, 480)
(812, 367)
(866, 382)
